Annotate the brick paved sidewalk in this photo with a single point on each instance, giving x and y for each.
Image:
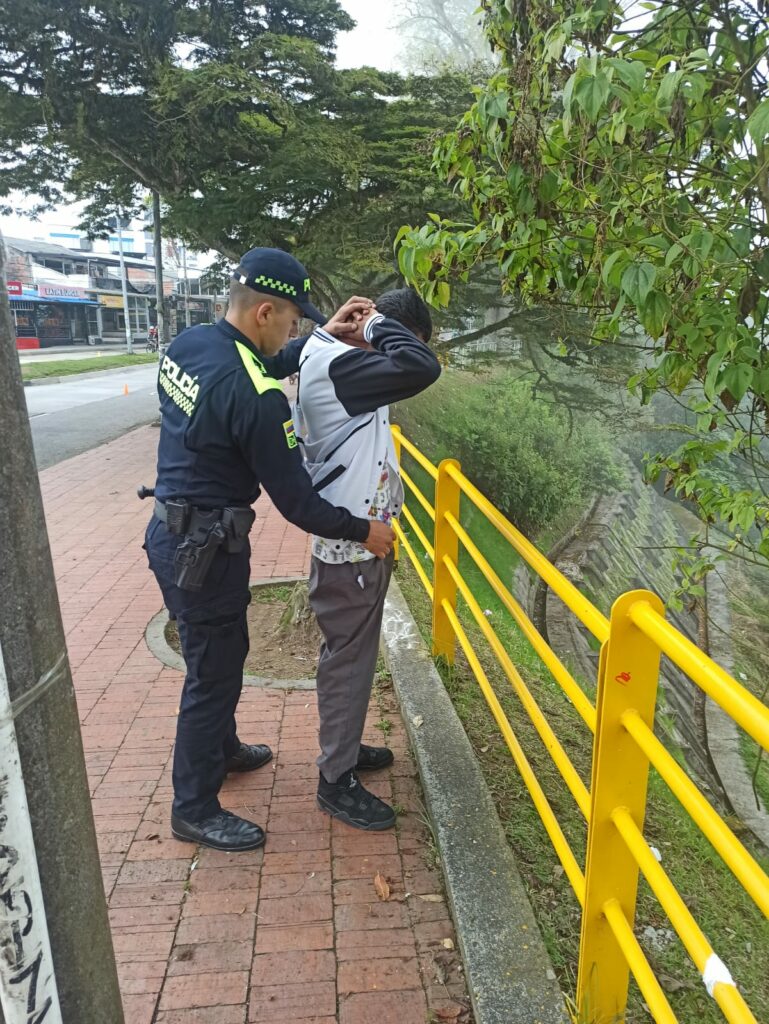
(294, 933)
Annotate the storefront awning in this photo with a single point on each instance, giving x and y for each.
(54, 301)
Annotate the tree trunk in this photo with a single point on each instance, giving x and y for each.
(45, 808)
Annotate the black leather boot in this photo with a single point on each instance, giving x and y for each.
(347, 800)
(248, 758)
(222, 831)
(371, 759)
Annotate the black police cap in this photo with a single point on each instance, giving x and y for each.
(275, 272)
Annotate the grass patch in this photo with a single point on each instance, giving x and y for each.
(725, 913)
(66, 367)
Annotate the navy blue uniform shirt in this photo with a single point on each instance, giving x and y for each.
(226, 431)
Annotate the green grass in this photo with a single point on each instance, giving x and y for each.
(65, 367)
(727, 916)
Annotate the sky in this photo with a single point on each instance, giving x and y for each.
(372, 42)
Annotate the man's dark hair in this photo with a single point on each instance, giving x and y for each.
(405, 306)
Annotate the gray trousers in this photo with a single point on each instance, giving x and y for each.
(348, 601)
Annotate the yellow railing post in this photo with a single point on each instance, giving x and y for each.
(396, 433)
(628, 675)
(447, 496)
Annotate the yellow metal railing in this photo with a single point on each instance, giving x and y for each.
(624, 746)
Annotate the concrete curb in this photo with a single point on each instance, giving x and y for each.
(509, 974)
(155, 636)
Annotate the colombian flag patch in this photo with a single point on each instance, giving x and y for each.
(288, 428)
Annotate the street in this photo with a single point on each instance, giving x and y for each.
(76, 415)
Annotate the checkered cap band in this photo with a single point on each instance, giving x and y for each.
(268, 282)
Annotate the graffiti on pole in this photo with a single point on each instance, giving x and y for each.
(28, 993)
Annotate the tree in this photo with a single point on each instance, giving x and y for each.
(438, 32)
(234, 113)
(620, 166)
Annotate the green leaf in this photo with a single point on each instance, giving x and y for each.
(758, 122)
(737, 378)
(673, 253)
(655, 313)
(668, 88)
(443, 293)
(637, 282)
(632, 73)
(515, 177)
(406, 256)
(566, 100)
(496, 105)
(608, 264)
(591, 94)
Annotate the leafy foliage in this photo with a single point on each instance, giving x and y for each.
(438, 32)
(234, 113)
(533, 459)
(622, 166)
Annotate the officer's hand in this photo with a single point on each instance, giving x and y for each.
(380, 540)
(348, 317)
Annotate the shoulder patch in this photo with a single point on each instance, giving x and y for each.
(290, 432)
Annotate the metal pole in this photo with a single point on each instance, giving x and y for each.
(129, 344)
(164, 325)
(56, 885)
(187, 321)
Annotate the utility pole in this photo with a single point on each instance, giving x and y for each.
(129, 343)
(56, 960)
(164, 324)
(187, 321)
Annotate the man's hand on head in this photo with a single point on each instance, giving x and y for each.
(345, 324)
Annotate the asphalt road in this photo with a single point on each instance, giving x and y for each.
(81, 413)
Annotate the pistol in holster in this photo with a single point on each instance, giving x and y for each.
(205, 531)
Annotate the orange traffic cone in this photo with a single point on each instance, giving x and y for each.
(125, 389)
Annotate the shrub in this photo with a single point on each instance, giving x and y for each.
(531, 457)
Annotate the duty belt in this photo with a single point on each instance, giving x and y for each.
(204, 532)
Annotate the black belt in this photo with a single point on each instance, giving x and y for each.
(161, 512)
(182, 517)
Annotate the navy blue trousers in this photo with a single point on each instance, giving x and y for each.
(214, 639)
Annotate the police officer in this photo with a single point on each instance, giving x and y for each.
(226, 433)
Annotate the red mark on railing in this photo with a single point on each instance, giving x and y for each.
(623, 678)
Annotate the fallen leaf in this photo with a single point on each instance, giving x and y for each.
(448, 1012)
(381, 886)
(448, 944)
(431, 897)
(671, 984)
(417, 721)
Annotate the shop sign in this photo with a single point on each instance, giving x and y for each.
(111, 301)
(14, 287)
(59, 291)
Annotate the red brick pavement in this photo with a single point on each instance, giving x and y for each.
(293, 933)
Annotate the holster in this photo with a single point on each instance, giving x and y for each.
(205, 531)
(193, 557)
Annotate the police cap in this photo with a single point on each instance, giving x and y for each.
(275, 272)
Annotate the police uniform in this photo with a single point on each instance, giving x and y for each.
(226, 434)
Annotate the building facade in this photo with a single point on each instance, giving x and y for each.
(63, 296)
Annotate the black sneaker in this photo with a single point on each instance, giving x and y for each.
(354, 805)
(222, 831)
(248, 757)
(371, 759)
